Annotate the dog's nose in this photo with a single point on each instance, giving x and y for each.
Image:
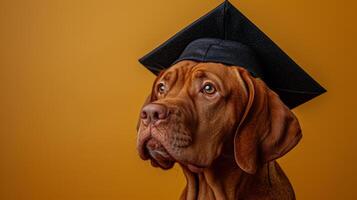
(153, 112)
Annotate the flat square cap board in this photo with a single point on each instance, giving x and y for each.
(225, 35)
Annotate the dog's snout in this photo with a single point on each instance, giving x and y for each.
(153, 112)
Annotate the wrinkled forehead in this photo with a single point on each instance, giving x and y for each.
(185, 69)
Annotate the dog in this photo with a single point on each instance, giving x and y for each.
(224, 127)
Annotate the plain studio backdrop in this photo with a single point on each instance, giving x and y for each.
(71, 89)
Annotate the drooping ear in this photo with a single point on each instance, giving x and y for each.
(267, 130)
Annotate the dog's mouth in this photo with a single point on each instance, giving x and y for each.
(152, 149)
(164, 153)
(157, 153)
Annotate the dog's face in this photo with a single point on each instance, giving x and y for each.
(196, 102)
(194, 113)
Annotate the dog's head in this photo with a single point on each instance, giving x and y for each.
(198, 111)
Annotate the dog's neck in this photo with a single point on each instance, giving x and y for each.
(223, 180)
(216, 182)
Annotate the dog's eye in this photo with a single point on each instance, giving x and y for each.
(208, 88)
(161, 88)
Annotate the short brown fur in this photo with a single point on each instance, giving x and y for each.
(226, 142)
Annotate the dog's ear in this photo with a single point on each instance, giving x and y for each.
(267, 130)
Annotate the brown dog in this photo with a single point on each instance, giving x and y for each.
(223, 126)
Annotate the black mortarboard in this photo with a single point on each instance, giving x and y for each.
(226, 36)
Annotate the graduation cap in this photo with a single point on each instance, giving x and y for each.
(225, 35)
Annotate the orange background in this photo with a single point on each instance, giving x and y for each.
(71, 89)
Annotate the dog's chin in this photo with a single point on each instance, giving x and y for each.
(160, 157)
(158, 154)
